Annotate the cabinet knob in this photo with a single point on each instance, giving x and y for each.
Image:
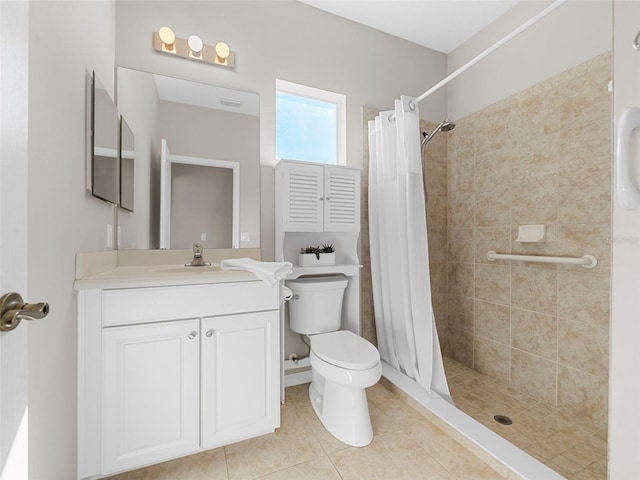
(193, 335)
(328, 198)
(210, 333)
(321, 199)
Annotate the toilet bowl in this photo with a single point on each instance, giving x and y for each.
(339, 378)
(343, 364)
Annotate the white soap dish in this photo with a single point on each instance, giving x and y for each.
(531, 233)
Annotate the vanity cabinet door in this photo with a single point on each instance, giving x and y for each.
(150, 393)
(240, 377)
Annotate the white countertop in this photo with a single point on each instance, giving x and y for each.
(160, 275)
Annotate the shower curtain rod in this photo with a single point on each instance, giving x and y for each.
(488, 51)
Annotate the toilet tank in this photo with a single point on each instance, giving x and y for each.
(316, 304)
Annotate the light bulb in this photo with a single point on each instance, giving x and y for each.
(168, 38)
(195, 44)
(222, 52)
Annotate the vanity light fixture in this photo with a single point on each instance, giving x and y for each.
(193, 48)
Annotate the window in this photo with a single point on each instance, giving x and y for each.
(310, 124)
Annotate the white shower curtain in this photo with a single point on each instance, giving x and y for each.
(405, 323)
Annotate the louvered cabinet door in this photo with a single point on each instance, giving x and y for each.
(303, 198)
(342, 199)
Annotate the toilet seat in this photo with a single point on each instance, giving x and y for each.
(345, 349)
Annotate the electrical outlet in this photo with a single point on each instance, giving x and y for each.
(245, 237)
(119, 236)
(203, 237)
(109, 235)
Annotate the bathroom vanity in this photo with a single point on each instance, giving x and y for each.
(172, 361)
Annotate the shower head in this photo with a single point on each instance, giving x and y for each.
(446, 126)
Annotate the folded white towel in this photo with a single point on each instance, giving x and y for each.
(269, 272)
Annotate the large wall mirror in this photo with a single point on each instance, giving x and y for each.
(207, 175)
(104, 144)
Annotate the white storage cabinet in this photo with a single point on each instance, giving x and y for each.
(318, 198)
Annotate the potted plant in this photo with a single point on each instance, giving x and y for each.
(316, 256)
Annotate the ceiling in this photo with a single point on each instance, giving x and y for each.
(208, 96)
(441, 25)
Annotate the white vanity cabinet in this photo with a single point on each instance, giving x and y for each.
(171, 370)
(317, 198)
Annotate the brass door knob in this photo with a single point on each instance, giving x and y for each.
(13, 310)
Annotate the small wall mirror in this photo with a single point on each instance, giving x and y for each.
(104, 144)
(127, 163)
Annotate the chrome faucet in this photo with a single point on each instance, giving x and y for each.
(197, 261)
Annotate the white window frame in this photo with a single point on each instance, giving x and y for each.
(338, 99)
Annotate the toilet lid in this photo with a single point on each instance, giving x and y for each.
(345, 349)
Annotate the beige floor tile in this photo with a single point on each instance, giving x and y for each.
(379, 393)
(464, 465)
(429, 436)
(406, 445)
(392, 456)
(318, 469)
(270, 453)
(452, 455)
(387, 421)
(393, 411)
(595, 471)
(293, 417)
(208, 465)
(297, 394)
(328, 442)
(541, 410)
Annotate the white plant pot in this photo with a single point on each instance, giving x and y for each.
(310, 260)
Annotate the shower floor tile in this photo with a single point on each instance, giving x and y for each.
(571, 447)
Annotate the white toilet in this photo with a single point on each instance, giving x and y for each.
(342, 363)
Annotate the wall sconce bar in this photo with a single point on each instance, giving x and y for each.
(165, 41)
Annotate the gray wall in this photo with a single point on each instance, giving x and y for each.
(290, 41)
(201, 202)
(66, 41)
(569, 36)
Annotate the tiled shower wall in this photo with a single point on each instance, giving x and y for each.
(542, 156)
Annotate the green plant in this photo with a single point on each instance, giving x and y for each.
(326, 248)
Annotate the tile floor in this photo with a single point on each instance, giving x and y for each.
(574, 449)
(405, 446)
